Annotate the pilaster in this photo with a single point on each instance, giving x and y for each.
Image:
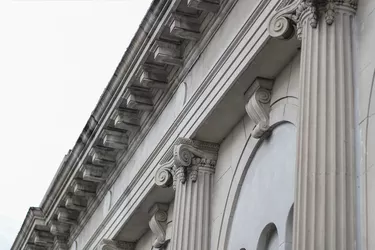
(190, 172)
(324, 206)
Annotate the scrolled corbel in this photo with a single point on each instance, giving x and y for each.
(158, 224)
(258, 106)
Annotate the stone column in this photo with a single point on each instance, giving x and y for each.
(190, 172)
(325, 191)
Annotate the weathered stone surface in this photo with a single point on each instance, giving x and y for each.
(207, 5)
(168, 52)
(127, 119)
(152, 77)
(76, 203)
(68, 216)
(59, 228)
(84, 188)
(43, 238)
(103, 157)
(95, 173)
(185, 27)
(115, 139)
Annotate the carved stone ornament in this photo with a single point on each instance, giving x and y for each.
(258, 106)
(186, 161)
(288, 20)
(158, 223)
(107, 244)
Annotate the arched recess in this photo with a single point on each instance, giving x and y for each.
(289, 229)
(269, 238)
(280, 116)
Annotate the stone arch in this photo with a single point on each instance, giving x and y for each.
(279, 115)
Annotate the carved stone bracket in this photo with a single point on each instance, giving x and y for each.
(67, 216)
(187, 160)
(207, 5)
(115, 139)
(103, 157)
(76, 203)
(168, 53)
(288, 20)
(153, 77)
(158, 224)
(84, 188)
(126, 119)
(139, 99)
(258, 106)
(60, 243)
(94, 173)
(184, 27)
(58, 228)
(43, 238)
(106, 244)
(31, 246)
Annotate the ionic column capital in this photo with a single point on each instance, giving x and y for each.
(187, 160)
(288, 19)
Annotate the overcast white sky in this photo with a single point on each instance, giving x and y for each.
(56, 58)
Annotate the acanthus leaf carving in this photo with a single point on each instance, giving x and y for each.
(258, 106)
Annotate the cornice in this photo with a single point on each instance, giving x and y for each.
(220, 68)
(112, 133)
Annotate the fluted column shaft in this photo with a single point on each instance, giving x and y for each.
(324, 206)
(191, 216)
(324, 209)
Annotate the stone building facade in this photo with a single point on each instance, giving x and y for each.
(228, 124)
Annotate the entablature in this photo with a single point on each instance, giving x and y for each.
(170, 39)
